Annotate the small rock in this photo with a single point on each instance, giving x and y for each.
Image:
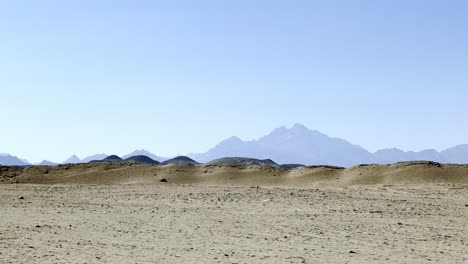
(21, 197)
(352, 252)
(163, 180)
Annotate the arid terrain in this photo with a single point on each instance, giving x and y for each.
(418, 172)
(114, 213)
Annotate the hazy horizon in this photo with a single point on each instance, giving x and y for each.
(172, 78)
(270, 133)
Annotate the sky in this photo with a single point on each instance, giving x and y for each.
(173, 77)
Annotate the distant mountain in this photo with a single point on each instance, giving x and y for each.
(181, 160)
(99, 157)
(294, 145)
(72, 160)
(94, 157)
(47, 163)
(289, 146)
(457, 154)
(387, 156)
(142, 159)
(300, 145)
(111, 158)
(25, 161)
(143, 152)
(233, 147)
(9, 160)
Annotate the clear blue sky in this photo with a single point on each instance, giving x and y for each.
(85, 77)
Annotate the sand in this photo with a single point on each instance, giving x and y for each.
(174, 223)
(412, 212)
(130, 173)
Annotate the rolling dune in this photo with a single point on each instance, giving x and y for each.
(422, 172)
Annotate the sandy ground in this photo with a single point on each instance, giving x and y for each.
(418, 172)
(169, 223)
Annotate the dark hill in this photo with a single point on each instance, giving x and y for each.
(142, 159)
(181, 160)
(111, 158)
(291, 166)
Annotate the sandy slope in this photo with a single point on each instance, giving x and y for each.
(118, 173)
(200, 224)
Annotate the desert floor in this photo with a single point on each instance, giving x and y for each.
(170, 223)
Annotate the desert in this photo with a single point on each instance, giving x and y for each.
(233, 132)
(413, 212)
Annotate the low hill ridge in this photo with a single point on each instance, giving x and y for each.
(242, 161)
(142, 159)
(420, 172)
(181, 160)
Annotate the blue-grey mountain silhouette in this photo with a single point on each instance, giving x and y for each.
(9, 160)
(300, 145)
(94, 157)
(387, 156)
(72, 160)
(47, 163)
(457, 154)
(295, 145)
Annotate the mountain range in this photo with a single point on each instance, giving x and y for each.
(299, 144)
(295, 145)
(9, 160)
